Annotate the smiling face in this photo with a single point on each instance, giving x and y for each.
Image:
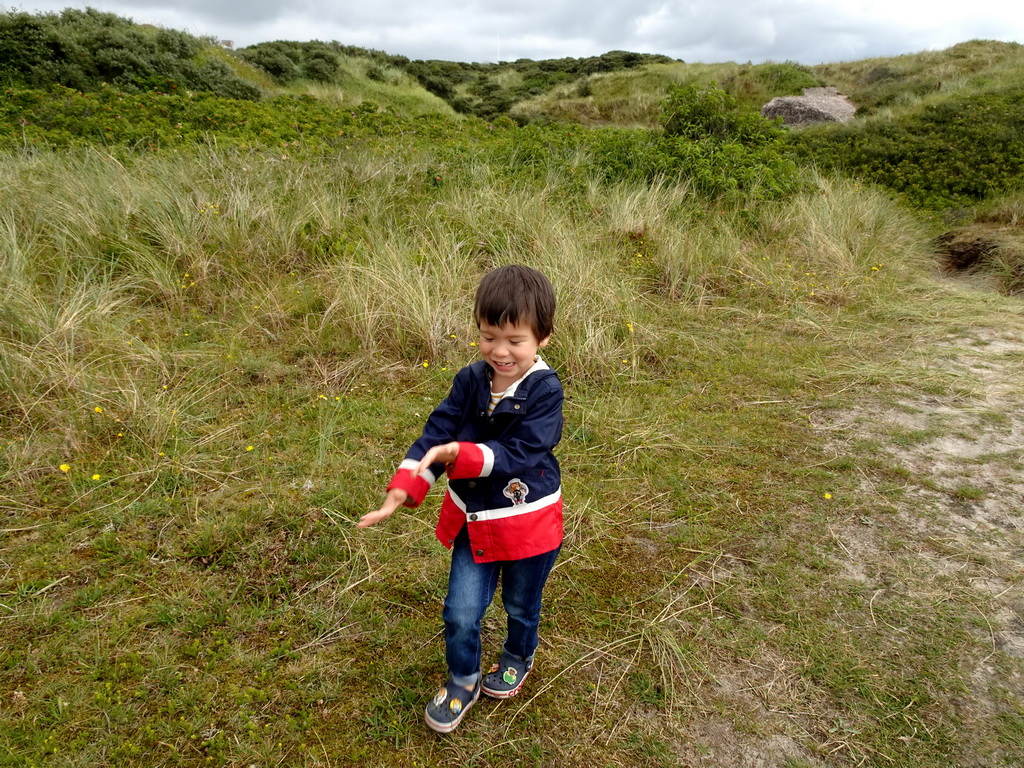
(510, 350)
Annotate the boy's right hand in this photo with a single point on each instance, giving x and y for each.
(396, 497)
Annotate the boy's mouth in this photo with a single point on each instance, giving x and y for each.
(503, 365)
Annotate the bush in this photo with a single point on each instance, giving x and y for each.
(696, 113)
(376, 73)
(278, 59)
(87, 49)
(944, 155)
(23, 46)
(217, 77)
(321, 66)
(714, 169)
(288, 61)
(721, 151)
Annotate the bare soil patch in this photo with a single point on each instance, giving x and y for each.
(960, 525)
(955, 532)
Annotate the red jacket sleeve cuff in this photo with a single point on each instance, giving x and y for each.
(414, 485)
(474, 460)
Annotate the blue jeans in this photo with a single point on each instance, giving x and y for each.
(471, 588)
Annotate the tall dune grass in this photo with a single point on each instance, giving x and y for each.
(372, 239)
(138, 284)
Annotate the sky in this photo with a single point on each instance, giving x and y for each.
(705, 31)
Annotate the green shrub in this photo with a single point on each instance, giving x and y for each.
(720, 150)
(87, 50)
(738, 154)
(696, 113)
(217, 77)
(946, 154)
(23, 46)
(280, 60)
(61, 117)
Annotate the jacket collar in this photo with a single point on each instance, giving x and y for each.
(520, 388)
(539, 365)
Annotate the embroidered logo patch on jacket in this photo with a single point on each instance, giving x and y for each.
(516, 490)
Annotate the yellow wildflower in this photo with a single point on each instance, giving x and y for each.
(65, 467)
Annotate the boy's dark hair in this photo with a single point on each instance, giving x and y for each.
(516, 294)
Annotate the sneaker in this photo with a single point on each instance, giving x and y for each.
(446, 710)
(505, 678)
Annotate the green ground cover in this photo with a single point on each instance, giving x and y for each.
(212, 361)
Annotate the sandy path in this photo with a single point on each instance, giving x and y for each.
(961, 521)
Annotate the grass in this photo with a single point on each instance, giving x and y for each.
(391, 87)
(905, 82)
(212, 361)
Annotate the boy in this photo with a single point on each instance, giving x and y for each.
(502, 512)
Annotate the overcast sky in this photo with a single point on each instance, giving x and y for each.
(708, 31)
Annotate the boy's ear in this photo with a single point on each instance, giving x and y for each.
(544, 342)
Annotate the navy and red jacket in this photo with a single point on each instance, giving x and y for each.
(505, 483)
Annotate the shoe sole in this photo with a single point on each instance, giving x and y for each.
(504, 694)
(437, 727)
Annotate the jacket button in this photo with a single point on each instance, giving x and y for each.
(491, 421)
(516, 406)
(479, 553)
(471, 484)
(472, 517)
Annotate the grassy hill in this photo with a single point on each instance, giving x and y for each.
(790, 521)
(887, 88)
(84, 49)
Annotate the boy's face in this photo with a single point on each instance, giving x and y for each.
(510, 350)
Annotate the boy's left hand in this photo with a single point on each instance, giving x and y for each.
(446, 453)
(396, 497)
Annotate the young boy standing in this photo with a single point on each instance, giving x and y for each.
(502, 512)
